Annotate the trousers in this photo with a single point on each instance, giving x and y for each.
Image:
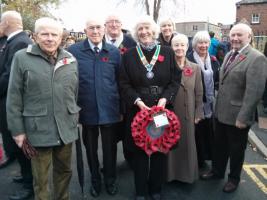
(59, 158)
(229, 143)
(109, 148)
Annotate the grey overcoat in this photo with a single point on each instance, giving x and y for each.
(241, 87)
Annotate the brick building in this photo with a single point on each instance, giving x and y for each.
(255, 13)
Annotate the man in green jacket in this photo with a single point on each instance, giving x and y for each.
(41, 107)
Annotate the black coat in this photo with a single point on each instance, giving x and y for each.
(215, 65)
(163, 42)
(133, 76)
(127, 42)
(14, 44)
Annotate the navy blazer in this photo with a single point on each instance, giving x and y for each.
(98, 94)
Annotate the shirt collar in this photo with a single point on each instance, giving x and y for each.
(117, 42)
(92, 45)
(13, 34)
(239, 51)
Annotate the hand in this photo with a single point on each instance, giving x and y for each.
(240, 125)
(197, 120)
(162, 102)
(19, 139)
(142, 105)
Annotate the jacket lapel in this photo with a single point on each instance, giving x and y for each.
(184, 77)
(242, 56)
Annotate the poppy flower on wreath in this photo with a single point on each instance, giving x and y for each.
(152, 139)
(188, 71)
(105, 59)
(161, 58)
(123, 50)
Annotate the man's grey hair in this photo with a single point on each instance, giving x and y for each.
(111, 15)
(48, 22)
(200, 36)
(99, 20)
(146, 20)
(12, 14)
(244, 27)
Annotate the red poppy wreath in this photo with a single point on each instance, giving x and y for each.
(150, 138)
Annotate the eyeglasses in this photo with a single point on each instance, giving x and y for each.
(113, 22)
(92, 28)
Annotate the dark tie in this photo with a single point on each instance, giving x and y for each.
(230, 60)
(96, 49)
(113, 41)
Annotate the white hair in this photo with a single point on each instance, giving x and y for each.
(166, 20)
(48, 22)
(200, 36)
(112, 15)
(12, 14)
(98, 20)
(146, 20)
(180, 37)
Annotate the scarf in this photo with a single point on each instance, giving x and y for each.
(150, 46)
(208, 82)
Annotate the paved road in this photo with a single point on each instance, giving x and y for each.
(253, 184)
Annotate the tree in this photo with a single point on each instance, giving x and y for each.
(157, 6)
(31, 10)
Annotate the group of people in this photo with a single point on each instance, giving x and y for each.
(103, 81)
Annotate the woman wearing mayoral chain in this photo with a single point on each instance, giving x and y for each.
(149, 77)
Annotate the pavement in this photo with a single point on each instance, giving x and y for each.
(257, 135)
(171, 191)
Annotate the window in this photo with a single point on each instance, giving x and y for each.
(255, 18)
(195, 28)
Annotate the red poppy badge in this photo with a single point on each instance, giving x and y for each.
(123, 50)
(213, 58)
(188, 71)
(65, 61)
(105, 59)
(161, 58)
(242, 57)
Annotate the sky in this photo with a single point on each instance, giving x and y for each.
(74, 13)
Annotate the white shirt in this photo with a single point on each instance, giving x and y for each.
(118, 41)
(93, 46)
(13, 34)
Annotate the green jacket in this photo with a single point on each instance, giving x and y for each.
(41, 99)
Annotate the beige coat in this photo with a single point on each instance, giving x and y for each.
(182, 162)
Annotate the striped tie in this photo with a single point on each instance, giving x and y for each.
(230, 60)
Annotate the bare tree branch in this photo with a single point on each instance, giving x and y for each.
(157, 6)
(147, 7)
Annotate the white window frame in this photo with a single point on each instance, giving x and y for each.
(255, 18)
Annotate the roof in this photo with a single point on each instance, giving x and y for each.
(251, 2)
